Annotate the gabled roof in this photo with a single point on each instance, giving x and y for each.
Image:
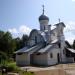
(45, 49)
(40, 33)
(22, 49)
(54, 41)
(61, 23)
(30, 49)
(71, 50)
(53, 30)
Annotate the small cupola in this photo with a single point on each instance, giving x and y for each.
(43, 17)
(43, 20)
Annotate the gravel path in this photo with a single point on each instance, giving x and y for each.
(37, 68)
(13, 74)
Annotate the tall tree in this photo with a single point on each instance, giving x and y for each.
(7, 44)
(18, 43)
(24, 40)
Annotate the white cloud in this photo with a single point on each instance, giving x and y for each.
(13, 30)
(70, 26)
(70, 31)
(73, 0)
(23, 29)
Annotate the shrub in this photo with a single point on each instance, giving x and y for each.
(25, 73)
(13, 67)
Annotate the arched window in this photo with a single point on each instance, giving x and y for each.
(44, 27)
(35, 39)
(51, 55)
(59, 44)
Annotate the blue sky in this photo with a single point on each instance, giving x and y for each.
(20, 16)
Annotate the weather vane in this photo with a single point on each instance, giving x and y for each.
(43, 8)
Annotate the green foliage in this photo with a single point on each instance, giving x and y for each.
(3, 57)
(7, 44)
(25, 73)
(13, 68)
(24, 40)
(20, 43)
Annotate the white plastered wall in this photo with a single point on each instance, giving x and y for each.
(41, 59)
(54, 59)
(23, 59)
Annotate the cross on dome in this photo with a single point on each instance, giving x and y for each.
(43, 16)
(43, 9)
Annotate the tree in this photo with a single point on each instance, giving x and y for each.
(18, 43)
(3, 56)
(24, 40)
(7, 44)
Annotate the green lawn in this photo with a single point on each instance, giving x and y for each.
(15, 69)
(22, 73)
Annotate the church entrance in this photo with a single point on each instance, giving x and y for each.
(58, 57)
(74, 59)
(31, 59)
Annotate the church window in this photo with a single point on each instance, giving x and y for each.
(35, 39)
(44, 27)
(51, 55)
(19, 53)
(59, 44)
(38, 54)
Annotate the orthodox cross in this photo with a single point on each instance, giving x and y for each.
(43, 9)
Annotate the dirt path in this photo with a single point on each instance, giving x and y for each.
(50, 72)
(29, 68)
(70, 72)
(13, 74)
(62, 69)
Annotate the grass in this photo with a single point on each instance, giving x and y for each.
(0, 73)
(11, 66)
(22, 73)
(25, 73)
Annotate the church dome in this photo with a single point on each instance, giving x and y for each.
(43, 17)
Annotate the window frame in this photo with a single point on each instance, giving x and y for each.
(51, 55)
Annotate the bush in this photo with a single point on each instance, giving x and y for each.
(25, 73)
(13, 67)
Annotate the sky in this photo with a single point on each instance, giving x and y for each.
(21, 16)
